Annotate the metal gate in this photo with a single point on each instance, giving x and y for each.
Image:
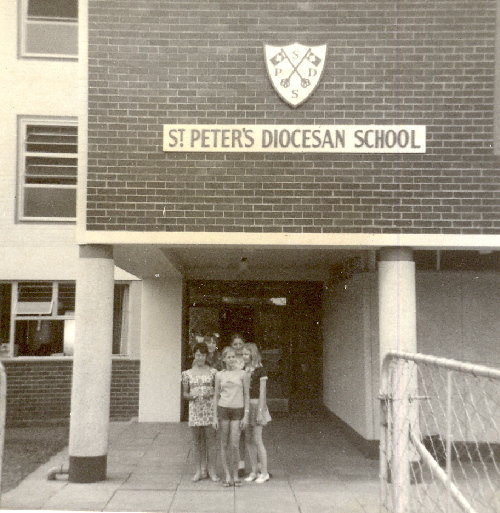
(440, 436)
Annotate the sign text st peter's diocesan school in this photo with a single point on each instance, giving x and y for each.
(295, 138)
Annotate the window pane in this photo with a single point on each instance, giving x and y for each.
(5, 298)
(51, 139)
(51, 38)
(51, 160)
(34, 308)
(49, 202)
(66, 298)
(118, 317)
(39, 338)
(53, 8)
(34, 291)
(469, 261)
(45, 170)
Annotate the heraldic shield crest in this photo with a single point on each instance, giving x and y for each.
(295, 70)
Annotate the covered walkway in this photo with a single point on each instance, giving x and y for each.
(314, 468)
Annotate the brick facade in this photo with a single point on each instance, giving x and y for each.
(201, 62)
(40, 391)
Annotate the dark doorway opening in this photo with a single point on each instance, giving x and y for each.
(236, 319)
(282, 318)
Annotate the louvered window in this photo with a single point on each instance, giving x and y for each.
(49, 170)
(49, 28)
(35, 298)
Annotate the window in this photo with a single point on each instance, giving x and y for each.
(49, 28)
(41, 310)
(456, 260)
(38, 318)
(48, 170)
(5, 305)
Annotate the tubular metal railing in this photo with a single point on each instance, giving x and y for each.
(440, 435)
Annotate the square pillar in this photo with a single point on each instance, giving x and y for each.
(161, 350)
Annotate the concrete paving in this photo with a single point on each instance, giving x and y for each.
(314, 470)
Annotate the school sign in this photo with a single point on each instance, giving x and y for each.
(295, 138)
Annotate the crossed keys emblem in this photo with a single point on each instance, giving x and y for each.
(295, 70)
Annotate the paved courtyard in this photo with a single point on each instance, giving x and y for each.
(314, 468)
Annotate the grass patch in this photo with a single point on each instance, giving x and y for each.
(26, 448)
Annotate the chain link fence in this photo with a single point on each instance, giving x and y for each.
(440, 438)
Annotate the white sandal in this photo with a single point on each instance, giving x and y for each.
(262, 478)
(251, 477)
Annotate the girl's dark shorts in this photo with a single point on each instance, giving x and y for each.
(230, 413)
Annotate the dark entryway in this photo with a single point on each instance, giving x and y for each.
(282, 318)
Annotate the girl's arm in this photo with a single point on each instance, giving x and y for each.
(262, 398)
(246, 399)
(186, 394)
(215, 401)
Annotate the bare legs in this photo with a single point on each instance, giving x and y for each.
(230, 448)
(211, 452)
(204, 452)
(256, 450)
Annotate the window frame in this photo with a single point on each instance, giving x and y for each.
(55, 316)
(52, 316)
(23, 123)
(24, 21)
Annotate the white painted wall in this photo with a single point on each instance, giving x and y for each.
(457, 317)
(29, 87)
(348, 335)
(469, 304)
(161, 344)
(34, 87)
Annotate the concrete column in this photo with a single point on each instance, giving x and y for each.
(90, 392)
(397, 301)
(398, 331)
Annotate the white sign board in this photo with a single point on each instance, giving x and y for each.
(294, 138)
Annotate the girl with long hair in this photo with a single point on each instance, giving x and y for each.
(258, 416)
(230, 413)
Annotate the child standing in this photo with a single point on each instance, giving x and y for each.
(238, 343)
(213, 357)
(198, 389)
(230, 412)
(259, 414)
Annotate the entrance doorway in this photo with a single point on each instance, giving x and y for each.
(282, 318)
(236, 319)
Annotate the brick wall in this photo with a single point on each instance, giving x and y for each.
(40, 391)
(155, 62)
(125, 389)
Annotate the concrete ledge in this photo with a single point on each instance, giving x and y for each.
(87, 469)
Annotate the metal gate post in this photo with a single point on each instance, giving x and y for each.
(400, 456)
